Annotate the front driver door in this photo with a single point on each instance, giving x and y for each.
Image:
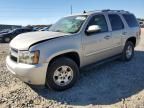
(98, 45)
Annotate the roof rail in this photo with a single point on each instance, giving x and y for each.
(106, 10)
(92, 11)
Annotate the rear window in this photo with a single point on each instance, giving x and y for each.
(131, 20)
(116, 22)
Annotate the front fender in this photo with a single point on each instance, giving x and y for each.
(56, 47)
(55, 54)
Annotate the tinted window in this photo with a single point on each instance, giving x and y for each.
(116, 22)
(131, 20)
(24, 30)
(17, 31)
(140, 22)
(100, 21)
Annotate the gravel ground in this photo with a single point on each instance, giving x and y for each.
(116, 84)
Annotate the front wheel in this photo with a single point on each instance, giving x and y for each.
(62, 74)
(128, 51)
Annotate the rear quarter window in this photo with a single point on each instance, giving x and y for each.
(131, 20)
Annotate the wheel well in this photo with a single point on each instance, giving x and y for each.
(133, 40)
(72, 55)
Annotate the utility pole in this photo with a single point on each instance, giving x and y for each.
(71, 9)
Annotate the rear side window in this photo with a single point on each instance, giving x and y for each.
(116, 22)
(131, 20)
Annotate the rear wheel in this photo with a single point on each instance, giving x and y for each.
(128, 51)
(62, 74)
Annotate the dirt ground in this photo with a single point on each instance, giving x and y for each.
(113, 85)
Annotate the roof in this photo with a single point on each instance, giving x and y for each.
(102, 11)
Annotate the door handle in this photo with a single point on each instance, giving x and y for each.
(124, 33)
(107, 37)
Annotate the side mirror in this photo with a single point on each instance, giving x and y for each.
(93, 29)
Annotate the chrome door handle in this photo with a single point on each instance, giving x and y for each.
(107, 37)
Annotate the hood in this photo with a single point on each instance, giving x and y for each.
(24, 41)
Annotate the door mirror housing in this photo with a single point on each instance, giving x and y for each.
(93, 29)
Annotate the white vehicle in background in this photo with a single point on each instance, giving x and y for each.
(54, 57)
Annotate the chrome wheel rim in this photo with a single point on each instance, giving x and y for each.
(63, 75)
(129, 51)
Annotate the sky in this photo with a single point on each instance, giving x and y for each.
(33, 12)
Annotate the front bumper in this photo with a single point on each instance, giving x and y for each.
(32, 74)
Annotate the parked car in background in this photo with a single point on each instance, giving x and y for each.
(7, 37)
(36, 28)
(141, 24)
(5, 31)
(54, 57)
(45, 28)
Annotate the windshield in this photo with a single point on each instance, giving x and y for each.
(70, 24)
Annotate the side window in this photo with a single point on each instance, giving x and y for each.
(131, 20)
(23, 30)
(116, 22)
(100, 21)
(17, 31)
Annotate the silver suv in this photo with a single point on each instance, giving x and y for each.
(53, 57)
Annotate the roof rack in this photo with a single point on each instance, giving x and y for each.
(106, 10)
(92, 11)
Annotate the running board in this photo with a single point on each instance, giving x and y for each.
(103, 61)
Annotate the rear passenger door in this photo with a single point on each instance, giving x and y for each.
(117, 31)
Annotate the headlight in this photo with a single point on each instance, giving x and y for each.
(29, 57)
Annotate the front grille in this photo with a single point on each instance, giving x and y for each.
(13, 54)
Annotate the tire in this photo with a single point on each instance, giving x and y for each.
(67, 69)
(127, 56)
(7, 39)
